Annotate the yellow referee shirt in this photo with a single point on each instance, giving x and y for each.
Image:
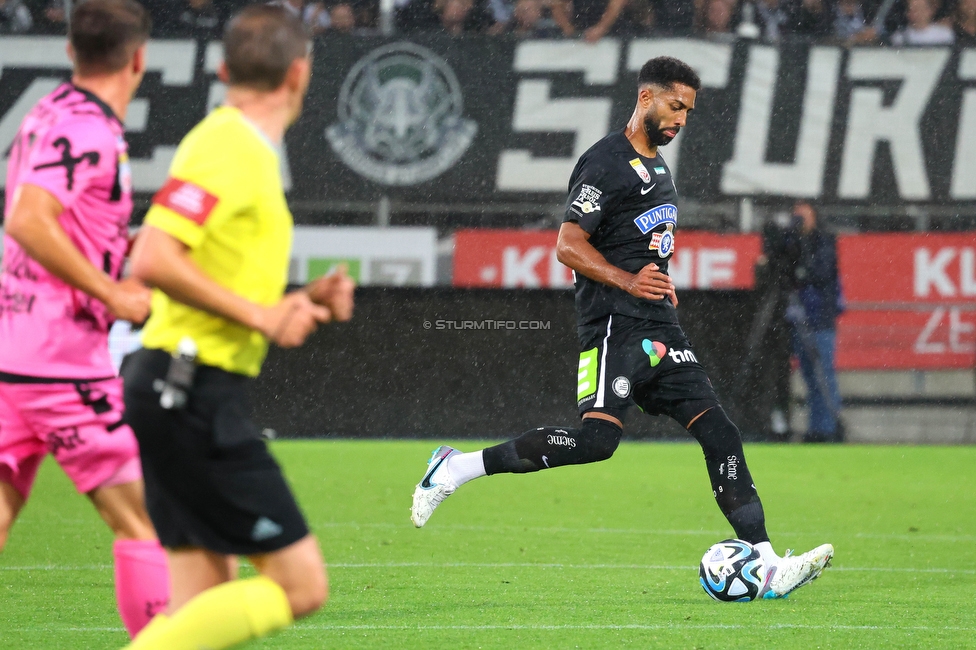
(224, 200)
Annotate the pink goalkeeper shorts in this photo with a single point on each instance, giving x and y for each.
(79, 423)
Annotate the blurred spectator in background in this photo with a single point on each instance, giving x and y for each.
(922, 28)
(460, 16)
(849, 20)
(343, 18)
(818, 290)
(50, 17)
(527, 20)
(964, 23)
(339, 18)
(414, 15)
(771, 17)
(454, 15)
(15, 17)
(810, 18)
(297, 7)
(316, 17)
(716, 20)
(594, 19)
(676, 16)
(183, 18)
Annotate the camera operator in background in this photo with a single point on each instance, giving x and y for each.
(807, 258)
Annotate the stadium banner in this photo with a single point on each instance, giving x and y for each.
(399, 257)
(443, 120)
(910, 297)
(911, 301)
(527, 258)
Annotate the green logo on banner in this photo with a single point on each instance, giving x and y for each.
(319, 266)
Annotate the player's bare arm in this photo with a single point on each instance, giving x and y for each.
(33, 223)
(162, 261)
(575, 251)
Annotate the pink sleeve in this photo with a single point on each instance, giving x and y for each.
(72, 156)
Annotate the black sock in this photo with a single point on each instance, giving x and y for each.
(732, 483)
(546, 447)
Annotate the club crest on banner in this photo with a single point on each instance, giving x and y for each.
(400, 116)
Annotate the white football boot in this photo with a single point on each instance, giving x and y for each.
(792, 572)
(434, 487)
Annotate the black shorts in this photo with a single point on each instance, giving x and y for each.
(627, 360)
(210, 480)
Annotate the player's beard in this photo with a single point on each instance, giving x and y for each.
(655, 134)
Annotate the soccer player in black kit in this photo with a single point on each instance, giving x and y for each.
(617, 236)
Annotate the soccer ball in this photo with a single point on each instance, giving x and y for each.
(732, 571)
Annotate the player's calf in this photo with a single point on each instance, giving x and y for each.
(548, 447)
(537, 449)
(732, 484)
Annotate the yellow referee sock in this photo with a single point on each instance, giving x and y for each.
(158, 621)
(221, 617)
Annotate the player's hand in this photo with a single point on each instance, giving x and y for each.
(291, 321)
(334, 291)
(129, 300)
(649, 283)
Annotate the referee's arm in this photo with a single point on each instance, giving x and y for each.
(574, 249)
(162, 261)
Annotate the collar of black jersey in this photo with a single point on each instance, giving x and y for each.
(623, 145)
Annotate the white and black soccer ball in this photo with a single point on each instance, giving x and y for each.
(732, 571)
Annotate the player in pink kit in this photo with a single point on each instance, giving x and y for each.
(69, 199)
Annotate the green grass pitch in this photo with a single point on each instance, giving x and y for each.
(600, 556)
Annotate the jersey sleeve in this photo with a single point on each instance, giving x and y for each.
(590, 192)
(71, 158)
(202, 189)
(181, 208)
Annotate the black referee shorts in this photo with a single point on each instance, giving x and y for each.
(627, 360)
(210, 480)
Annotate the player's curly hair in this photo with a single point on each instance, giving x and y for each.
(665, 71)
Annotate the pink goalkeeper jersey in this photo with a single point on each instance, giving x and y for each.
(72, 145)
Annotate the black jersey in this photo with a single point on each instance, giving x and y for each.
(628, 205)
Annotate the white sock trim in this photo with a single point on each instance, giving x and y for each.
(466, 467)
(768, 554)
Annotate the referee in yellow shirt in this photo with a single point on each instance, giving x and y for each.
(215, 247)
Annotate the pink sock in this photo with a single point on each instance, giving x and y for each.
(141, 581)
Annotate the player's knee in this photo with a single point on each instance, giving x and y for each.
(309, 595)
(300, 572)
(601, 438)
(716, 433)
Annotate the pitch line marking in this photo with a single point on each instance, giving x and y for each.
(609, 626)
(638, 626)
(640, 531)
(514, 565)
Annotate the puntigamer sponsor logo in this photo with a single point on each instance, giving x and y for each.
(654, 217)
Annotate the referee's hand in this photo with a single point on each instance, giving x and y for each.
(290, 322)
(649, 283)
(334, 291)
